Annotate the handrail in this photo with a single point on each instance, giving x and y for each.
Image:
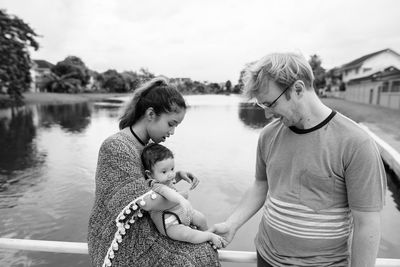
(82, 248)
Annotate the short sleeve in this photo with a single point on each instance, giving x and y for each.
(261, 172)
(366, 178)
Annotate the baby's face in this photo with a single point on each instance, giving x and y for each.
(164, 171)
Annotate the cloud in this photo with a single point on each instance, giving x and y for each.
(206, 40)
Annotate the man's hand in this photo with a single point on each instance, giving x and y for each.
(224, 230)
(188, 177)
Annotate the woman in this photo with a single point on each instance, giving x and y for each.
(120, 232)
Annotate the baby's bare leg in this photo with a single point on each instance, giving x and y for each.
(199, 220)
(184, 233)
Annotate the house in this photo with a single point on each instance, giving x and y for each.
(39, 69)
(380, 88)
(369, 64)
(334, 84)
(373, 78)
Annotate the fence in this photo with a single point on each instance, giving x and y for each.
(81, 248)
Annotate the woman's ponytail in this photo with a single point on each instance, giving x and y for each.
(156, 93)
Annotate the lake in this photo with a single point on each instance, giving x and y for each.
(48, 156)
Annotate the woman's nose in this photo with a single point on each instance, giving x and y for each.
(172, 131)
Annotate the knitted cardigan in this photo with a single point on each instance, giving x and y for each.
(119, 181)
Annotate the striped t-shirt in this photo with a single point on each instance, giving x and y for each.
(315, 177)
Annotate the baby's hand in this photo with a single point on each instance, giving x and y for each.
(217, 241)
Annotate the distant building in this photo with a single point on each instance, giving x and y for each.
(369, 64)
(334, 84)
(373, 79)
(380, 88)
(39, 69)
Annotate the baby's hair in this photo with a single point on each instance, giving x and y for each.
(153, 153)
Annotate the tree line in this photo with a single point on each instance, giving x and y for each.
(71, 75)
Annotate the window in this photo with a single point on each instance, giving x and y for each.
(395, 86)
(366, 69)
(385, 87)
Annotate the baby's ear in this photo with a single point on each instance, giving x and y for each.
(148, 174)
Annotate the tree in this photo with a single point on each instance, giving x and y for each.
(72, 67)
(131, 79)
(214, 88)
(319, 72)
(15, 63)
(228, 86)
(60, 84)
(113, 81)
(239, 86)
(145, 74)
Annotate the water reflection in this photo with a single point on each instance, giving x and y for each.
(72, 118)
(17, 132)
(252, 116)
(111, 111)
(19, 156)
(393, 184)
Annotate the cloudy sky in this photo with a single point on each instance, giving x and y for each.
(206, 39)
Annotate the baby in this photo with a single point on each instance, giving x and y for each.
(159, 164)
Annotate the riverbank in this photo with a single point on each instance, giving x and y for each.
(59, 98)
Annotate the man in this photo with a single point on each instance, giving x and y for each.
(319, 177)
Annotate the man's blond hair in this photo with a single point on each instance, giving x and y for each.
(282, 68)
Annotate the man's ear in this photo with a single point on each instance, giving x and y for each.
(299, 87)
(148, 174)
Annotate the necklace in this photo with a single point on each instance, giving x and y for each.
(137, 137)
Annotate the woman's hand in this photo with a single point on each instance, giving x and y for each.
(188, 177)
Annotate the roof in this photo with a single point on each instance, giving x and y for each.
(357, 62)
(386, 74)
(43, 64)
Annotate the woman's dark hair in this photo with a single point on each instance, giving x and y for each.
(153, 153)
(157, 94)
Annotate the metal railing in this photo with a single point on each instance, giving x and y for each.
(82, 248)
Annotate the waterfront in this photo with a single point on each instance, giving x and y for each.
(48, 159)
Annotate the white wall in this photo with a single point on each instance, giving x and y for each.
(361, 93)
(374, 64)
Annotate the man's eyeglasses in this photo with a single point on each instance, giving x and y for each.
(264, 106)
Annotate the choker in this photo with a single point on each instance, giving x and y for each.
(137, 137)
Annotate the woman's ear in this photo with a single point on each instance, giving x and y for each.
(150, 114)
(148, 174)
